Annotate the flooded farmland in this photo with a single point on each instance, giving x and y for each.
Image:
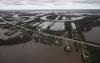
(49, 37)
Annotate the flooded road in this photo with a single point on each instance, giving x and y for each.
(20, 38)
(36, 53)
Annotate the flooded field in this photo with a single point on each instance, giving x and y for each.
(36, 53)
(49, 37)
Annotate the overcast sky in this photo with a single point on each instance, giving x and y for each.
(49, 4)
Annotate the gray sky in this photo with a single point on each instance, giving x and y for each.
(49, 4)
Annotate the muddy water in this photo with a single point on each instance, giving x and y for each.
(31, 52)
(36, 53)
(93, 35)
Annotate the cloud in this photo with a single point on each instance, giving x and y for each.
(33, 2)
(39, 2)
(97, 2)
(49, 4)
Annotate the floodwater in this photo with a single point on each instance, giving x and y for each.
(31, 52)
(93, 35)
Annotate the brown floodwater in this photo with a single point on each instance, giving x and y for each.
(31, 52)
